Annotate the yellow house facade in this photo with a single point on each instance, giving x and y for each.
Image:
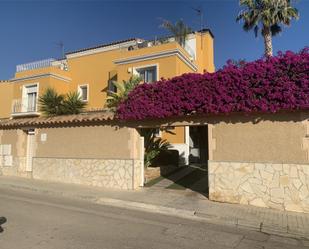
(90, 72)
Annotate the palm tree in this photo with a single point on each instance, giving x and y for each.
(53, 104)
(122, 92)
(267, 15)
(179, 30)
(153, 145)
(73, 103)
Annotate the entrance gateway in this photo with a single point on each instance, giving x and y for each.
(191, 171)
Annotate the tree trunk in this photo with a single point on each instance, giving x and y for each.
(268, 42)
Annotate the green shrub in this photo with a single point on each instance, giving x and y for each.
(153, 146)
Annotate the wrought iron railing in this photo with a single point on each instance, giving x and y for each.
(23, 106)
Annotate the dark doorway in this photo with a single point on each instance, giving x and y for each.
(198, 144)
(191, 178)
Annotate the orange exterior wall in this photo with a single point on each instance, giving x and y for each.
(93, 69)
(47, 82)
(6, 96)
(166, 68)
(177, 138)
(205, 52)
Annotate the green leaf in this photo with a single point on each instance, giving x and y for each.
(123, 90)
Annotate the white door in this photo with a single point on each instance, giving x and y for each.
(29, 156)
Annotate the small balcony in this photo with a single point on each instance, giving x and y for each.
(25, 107)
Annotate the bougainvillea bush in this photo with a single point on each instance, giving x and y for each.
(266, 85)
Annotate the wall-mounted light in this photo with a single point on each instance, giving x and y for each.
(31, 132)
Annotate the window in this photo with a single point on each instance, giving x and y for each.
(83, 92)
(112, 78)
(148, 74)
(30, 101)
(111, 86)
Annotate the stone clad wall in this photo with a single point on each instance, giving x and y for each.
(279, 186)
(116, 174)
(17, 168)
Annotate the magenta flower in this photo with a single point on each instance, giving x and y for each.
(266, 85)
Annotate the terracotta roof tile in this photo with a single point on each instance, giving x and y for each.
(57, 120)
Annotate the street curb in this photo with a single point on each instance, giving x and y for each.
(181, 213)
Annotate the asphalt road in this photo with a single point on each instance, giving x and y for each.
(47, 222)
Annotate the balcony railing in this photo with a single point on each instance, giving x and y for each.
(21, 107)
(162, 40)
(35, 65)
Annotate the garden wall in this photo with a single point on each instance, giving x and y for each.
(261, 160)
(95, 155)
(13, 153)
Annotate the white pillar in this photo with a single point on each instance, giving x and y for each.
(142, 153)
(187, 142)
(29, 156)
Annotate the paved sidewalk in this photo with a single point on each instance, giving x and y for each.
(186, 204)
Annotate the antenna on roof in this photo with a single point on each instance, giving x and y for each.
(60, 45)
(199, 11)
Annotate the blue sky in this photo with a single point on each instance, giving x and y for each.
(30, 30)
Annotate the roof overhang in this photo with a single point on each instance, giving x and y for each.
(45, 75)
(174, 52)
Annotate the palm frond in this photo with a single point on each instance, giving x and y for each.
(73, 103)
(122, 92)
(275, 29)
(179, 30)
(266, 15)
(153, 145)
(50, 103)
(53, 104)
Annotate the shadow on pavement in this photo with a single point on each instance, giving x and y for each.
(193, 177)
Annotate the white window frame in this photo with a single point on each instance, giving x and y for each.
(135, 70)
(25, 94)
(79, 90)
